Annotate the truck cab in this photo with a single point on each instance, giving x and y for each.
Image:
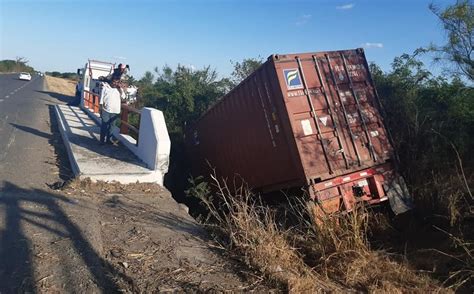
(89, 79)
(89, 76)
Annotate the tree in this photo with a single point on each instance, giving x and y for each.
(183, 94)
(431, 120)
(20, 64)
(147, 79)
(244, 68)
(458, 22)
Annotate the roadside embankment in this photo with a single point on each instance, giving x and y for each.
(60, 86)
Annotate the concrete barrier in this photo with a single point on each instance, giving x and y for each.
(154, 144)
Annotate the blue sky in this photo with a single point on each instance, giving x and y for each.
(62, 35)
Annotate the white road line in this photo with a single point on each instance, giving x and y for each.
(7, 96)
(1, 100)
(12, 93)
(10, 142)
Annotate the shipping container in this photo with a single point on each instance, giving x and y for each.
(309, 120)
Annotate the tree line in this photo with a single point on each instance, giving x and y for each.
(64, 75)
(20, 64)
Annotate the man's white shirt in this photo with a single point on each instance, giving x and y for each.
(110, 99)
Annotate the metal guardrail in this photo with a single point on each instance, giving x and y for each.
(126, 127)
(91, 101)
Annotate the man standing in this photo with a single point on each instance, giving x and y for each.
(77, 96)
(116, 79)
(110, 109)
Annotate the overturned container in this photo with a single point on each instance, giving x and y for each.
(309, 120)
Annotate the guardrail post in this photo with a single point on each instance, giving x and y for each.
(96, 103)
(124, 118)
(86, 99)
(93, 103)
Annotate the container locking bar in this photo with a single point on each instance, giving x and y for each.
(359, 110)
(313, 114)
(343, 110)
(330, 111)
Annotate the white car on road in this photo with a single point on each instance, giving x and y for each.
(24, 76)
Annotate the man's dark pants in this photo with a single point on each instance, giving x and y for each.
(108, 120)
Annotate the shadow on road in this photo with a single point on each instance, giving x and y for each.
(70, 100)
(16, 274)
(30, 214)
(32, 131)
(55, 140)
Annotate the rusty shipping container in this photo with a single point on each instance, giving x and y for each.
(308, 120)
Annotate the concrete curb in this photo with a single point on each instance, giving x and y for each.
(62, 130)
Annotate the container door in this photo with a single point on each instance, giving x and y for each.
(331, 106)
(312, 118)
(348, 80)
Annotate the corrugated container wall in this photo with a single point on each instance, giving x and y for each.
(298, 120)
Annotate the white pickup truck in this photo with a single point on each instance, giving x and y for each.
(89, 79)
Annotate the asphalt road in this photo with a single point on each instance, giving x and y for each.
(21, 112)
(40, 245)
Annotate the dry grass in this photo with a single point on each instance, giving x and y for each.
(463, 275)
(318, 253)
(449, 210)
(60, 86)
(337, 245)
(251, 230)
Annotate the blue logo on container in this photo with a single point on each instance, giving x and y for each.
(292, 78)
